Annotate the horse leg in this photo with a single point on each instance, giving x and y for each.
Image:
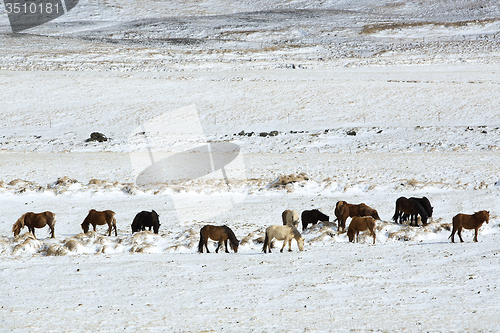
(284, 243)
(218, 246)
(52, 231)
(459, 232)
(32, 230)
(452, 236)
(290, 245)
(206, 244)
(110, 227)
(225, 245)
(475, 235)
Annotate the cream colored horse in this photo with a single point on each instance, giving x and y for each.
(290, 217)
(285, 233)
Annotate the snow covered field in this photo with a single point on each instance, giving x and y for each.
(370, 101)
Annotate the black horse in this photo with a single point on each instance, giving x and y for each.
(313, 216)
(146, 219)
(409, 207)
(426, 204)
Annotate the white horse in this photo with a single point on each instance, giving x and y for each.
(285, 233)
(290, 217)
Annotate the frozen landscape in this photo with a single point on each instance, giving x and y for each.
(362, 101)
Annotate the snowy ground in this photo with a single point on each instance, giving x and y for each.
(371, 101)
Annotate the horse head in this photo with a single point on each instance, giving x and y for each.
(156, 221)
(483, 215)
(16, 228)
(300, 243)
(323, 217)
(85, 226)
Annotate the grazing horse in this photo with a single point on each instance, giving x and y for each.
(146, 219)
(313, 216)
(290, 217)
(425, 203)
(411, 207)
(343, 210)
(32, 221)
(474, 221)
(285, 233)
(95, 217)
(220, 234)
(360, 224)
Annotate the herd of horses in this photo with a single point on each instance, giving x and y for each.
(363, 218)
(141, 221)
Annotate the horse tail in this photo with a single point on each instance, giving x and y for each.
(234, 242)
(396, 213)
(202, 241)
(51, 221)
(266, 242)
(113, 223)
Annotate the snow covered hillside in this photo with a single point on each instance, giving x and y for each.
(209, 108)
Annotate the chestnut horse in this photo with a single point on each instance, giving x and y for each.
(32, 221)
(360, 224)
(343, 210)
(474, 221)
(220, 234)
(95, 217)
(285, 233)
(290, 217)
(313, 216)
(411, 207)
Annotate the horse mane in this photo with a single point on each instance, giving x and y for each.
(233, 241)
(16, 228)
(296, 233)
(482, 214)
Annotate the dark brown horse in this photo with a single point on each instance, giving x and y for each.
(412, 208)
(146, 219)
(220, 234)
(343, 210)
(95, 217)
(32, 221)
(313, 216)
(474, 221)
(426, 204)
(360, 224)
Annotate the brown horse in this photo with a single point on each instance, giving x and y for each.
(95, 217)
(474, 221)
(411, 207)
(343, 210)
(32, 221)
(360, 224)
(220, 234)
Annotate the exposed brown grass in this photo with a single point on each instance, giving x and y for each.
(373, 28)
